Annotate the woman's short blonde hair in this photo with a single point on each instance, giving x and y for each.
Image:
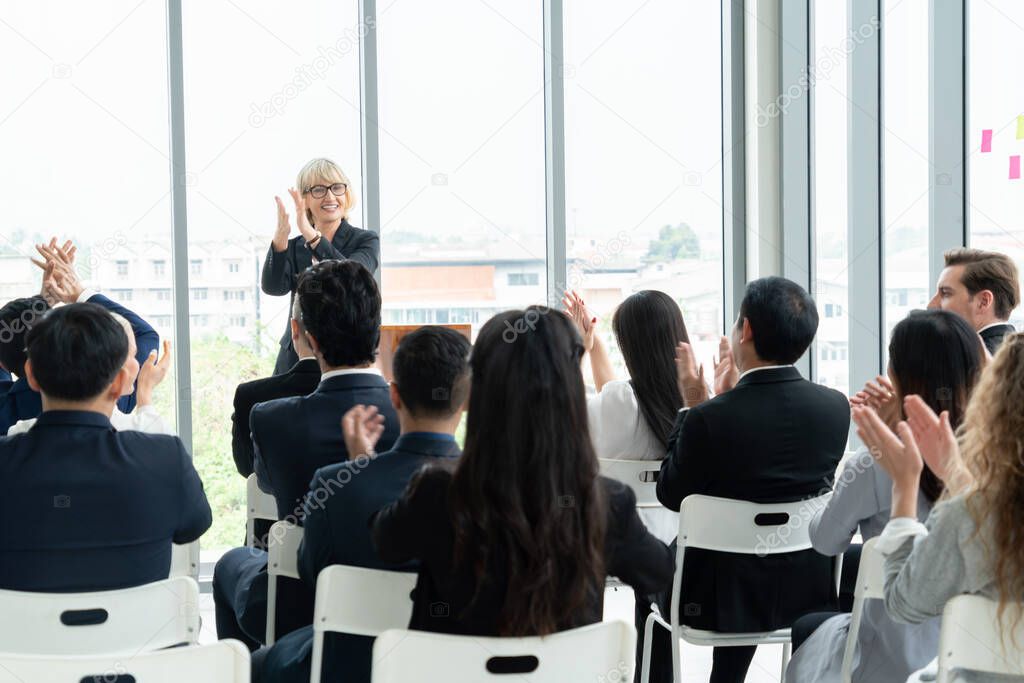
(323, 171)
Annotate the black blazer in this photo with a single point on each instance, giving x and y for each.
(281, 270)
(88, 508)
(773, 438)
(993, 336)
(300, 380)
(337, 532)
(419, 527)
(294, 437)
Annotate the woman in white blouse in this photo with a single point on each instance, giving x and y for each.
(630, 419)
(144, 418)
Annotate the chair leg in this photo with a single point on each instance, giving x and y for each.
(786, 652)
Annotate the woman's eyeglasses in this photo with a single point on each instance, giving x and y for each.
(320, 191)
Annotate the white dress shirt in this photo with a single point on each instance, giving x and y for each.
(142, 419)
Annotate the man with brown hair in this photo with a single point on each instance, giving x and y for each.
(983, 288)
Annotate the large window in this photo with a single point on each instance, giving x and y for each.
(832, 44)
(905, 159)
(995, 133)
(85, 157)
(643, 158)
(462, 159)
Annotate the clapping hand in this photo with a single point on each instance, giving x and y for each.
(897, 453)
(151, 373)
(362, 427)
(880, 396)
(61, 283)
(577, 311)
(284, 227)
(301, 219)
(690, 376)
(726, 372)
(936, 440)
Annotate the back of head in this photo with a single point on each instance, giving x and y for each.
(936, 355)
(783, 317)
(339, 303)
(992, 271)
(648, 325)
(431, 371)
(526, 489)
(76, 351)
(16, 318)
(993, 450)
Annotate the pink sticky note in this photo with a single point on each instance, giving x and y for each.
(1015, 167)
(986, 140)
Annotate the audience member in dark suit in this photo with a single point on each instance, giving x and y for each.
(982, 287)
(60, 284)
(86, 507)
(300, 380)
(337, 305)
(430, 388)
(5, 380)
(768, 436)
(322, 202)
(518, 539)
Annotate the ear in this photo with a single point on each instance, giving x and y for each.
(121, 385)
(30, 377)
(984, 300)
(748, 331)
(396, 400)
(294, 325)
(313, 345)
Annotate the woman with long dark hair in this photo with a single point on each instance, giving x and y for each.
(518, 538)
(630, 419)
(935, 356)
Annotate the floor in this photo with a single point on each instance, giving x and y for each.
(618, 605)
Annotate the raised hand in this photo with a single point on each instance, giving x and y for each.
(880, 396)
(897, 453)
(362, 427)
(151, 373)
(726, 372)
(690, 376)
(577, 311)
(936, 439)
(301, 219)
(284, 228)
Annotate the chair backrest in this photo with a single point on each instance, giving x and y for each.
(283, 560)
(870, 586)
(599, 652)
(972, 638)
(185, 560)
(361, 601)
(639, 475)
(126, 621)
(258, 505)
(226, 661)
(736, 526)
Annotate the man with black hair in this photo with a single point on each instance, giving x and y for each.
(338, 304)
(429, 391)
(768, 436)
(87, 507)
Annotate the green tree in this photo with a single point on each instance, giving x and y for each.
(674, 242)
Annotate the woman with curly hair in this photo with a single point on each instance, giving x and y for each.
(971, 542)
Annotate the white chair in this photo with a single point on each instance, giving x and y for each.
(226, 661)
(358, 601)
(973, 638)
(283, 551)
(870, 586)
(258, 505)
(122, 622)
(639, 475)
(732, 526)
(185, 560)
(599, 652)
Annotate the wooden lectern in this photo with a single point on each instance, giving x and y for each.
(391, 335)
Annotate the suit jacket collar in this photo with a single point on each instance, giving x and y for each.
(998, 329)
(424, 445)
(72, 418)
(360, 380)
(309, 365)
(786, 374)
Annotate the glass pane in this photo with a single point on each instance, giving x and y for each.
(831, 34)
(643, 159)
(462, 159)
(996, 198)
(85, 157)
(905, 154)
(285, 92)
